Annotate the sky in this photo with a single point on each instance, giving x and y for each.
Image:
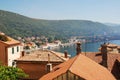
(106, 11)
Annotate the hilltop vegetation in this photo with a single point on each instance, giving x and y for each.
(15, 25)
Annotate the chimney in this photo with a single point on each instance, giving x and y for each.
(104, 54)
(118, 49)
(49, 65)
(48, 58)
(78, 49)
(65, 54)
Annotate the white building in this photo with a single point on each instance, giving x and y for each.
(9, 50)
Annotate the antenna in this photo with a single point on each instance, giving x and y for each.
(49, 65)
(105, 38)
(85, 46)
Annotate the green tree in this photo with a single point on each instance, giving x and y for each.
(51, 39)
(3, 38)
(11, 73)
(27, 47)
(38, 44)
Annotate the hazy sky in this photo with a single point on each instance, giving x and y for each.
(95, 10)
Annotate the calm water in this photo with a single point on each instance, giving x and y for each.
(88, 47)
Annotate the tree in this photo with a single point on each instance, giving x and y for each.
(27, 47)
(38, 44)
(11, 73)
(3, 38)
(51, 39)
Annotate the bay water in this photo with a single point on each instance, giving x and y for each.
(86, 47)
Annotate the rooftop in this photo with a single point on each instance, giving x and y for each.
(81, 66)
(112, 48)
(8, 40)
(97, 57)
(113, 61)
(112, 45)
(42, 55)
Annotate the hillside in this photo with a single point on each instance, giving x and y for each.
(14, 25)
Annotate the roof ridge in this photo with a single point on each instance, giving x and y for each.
(81, 66)
(73, 61)
(56, 55)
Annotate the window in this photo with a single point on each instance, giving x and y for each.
(13, 64)
(12, 50)
(17, 49)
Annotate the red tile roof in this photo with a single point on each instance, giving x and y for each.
(97, 57)
(112, 45)
(82, 67)
(111, 61)
(42, 55)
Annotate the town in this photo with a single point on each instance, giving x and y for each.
(45, 64)
(34, 43)
(59, 40)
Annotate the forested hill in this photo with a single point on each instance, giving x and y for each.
(14, 25)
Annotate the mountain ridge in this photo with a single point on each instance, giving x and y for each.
(15, 25)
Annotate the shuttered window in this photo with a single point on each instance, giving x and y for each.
(17, 49)
(12, 50)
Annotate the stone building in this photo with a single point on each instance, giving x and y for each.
(40, 62)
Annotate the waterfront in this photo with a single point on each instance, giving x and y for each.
(86, 47)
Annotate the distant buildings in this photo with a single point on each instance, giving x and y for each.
(30, 46)
(53, 45)
(10, 50)
(40, 62)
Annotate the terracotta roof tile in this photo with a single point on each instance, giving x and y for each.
(42, 55)
(111, 61)
(83, 67)
(112, 45)
(58, 70)
(97, 57)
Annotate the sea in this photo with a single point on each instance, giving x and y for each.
(86, 47)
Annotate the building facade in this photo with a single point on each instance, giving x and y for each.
(9, 50)
(40, 62)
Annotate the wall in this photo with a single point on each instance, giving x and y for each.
(68, 76)
(34, 69)
(3, 54)
(13, 56)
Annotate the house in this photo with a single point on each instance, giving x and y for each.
(112, 48)
(108, 57)
(50, 46)
(30, 46)
(58, 42)
(9, 50)
(79, 67)
(40, 62)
